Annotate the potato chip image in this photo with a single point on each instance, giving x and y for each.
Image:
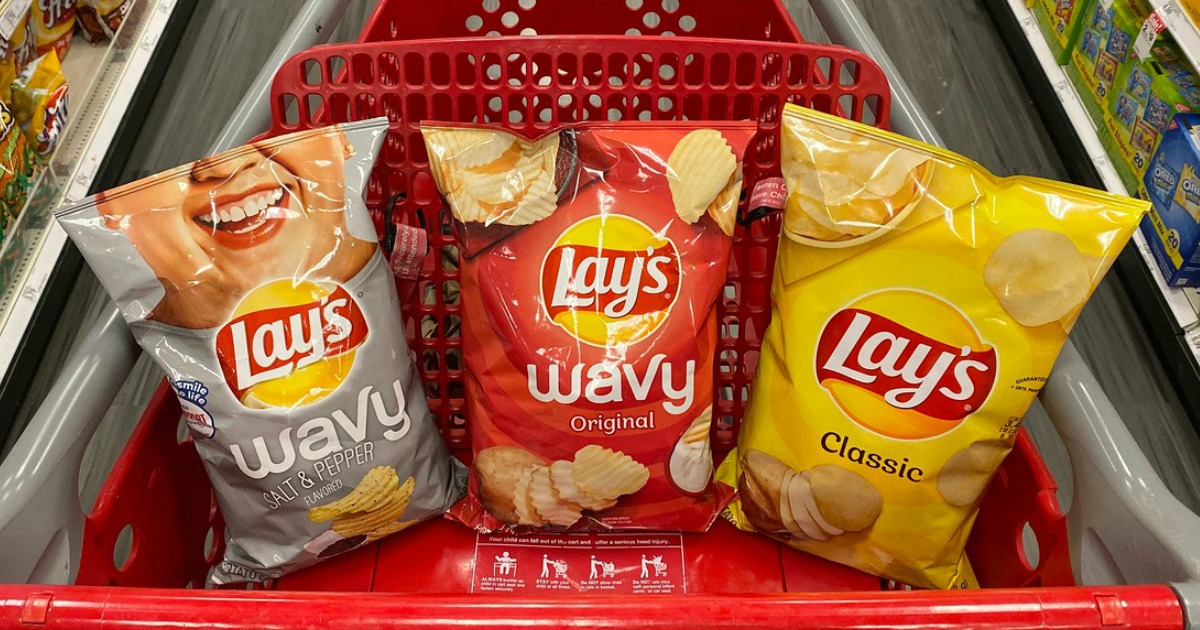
(469, 148)
(389, 529)
(965, 477)
(358, 523)
(549, 506)
(784, 506)
(1038, 276)
(523, 499)
(843, 497)
(497, 470)
(698, 170)
(562, 475)
(847, 188)
(506, 184)
(379, 484)
(607, 474)
(798, 221)
(537, 203)
(724, 208)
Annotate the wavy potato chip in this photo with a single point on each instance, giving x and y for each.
(550, 506)
(603, 473)
(508, 185)
(562, 475)
(538, 202)
(724, 208)
(470, 148)
(378, 485)
(698, 169)
(523, 498)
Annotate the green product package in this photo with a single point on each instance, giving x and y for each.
(1061, 22)
(1144, 99)
(1105, 44)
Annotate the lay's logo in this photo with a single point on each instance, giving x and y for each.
(894, 379)
(610, 279)
(290, 344)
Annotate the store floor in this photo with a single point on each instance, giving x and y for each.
(947, 50)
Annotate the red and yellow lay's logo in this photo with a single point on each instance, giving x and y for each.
(610, 279)
(290, 344)
(905, 364)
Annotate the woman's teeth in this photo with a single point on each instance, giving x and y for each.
(246, 208)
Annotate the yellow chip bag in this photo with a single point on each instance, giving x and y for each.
(40, 102)
(918, 305)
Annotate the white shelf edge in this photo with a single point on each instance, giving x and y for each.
(14, 326)
(1180, 27)
(1176, 299)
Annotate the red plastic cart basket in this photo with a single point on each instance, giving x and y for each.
(158, 499)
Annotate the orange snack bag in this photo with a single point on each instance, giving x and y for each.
(591, 261)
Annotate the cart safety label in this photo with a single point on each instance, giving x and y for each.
(637, 564)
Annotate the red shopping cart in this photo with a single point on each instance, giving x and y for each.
(156, 524)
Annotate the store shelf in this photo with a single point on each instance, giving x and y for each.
(1169, 315)
(1180, 26)
(111, 88)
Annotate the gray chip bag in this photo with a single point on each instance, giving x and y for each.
(254, 279)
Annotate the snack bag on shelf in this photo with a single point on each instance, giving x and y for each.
(14, 45)
(22, 40)
(53, 26)
(918, 306)
(254, 279)
(41, 103)
(1142, 104)
(1105, 44)
(100, 19)
(592, 259)
(16, 168)
(1061, 22)
(1172, 229)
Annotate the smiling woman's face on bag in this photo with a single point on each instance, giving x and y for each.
(238, 222)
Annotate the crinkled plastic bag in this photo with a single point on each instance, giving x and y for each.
(918, 305)
(253, 278)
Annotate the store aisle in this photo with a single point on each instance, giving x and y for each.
(948, 51)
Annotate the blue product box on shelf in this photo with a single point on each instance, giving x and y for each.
(1172, 228)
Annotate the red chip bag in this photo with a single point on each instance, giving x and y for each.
(591, 262)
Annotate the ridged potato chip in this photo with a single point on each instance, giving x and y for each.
(603, 473)
(497, 470)
(700, 428)
(724, 208)
(526, 512)
(374, 488)
(470, 148)
(389, 529)
(361, 523)
(1038, 276)
(537, 203)
(546, 501)
(501, 186)
(562, 475)
(698, 169)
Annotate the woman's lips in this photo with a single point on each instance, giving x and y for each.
(247, 221)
